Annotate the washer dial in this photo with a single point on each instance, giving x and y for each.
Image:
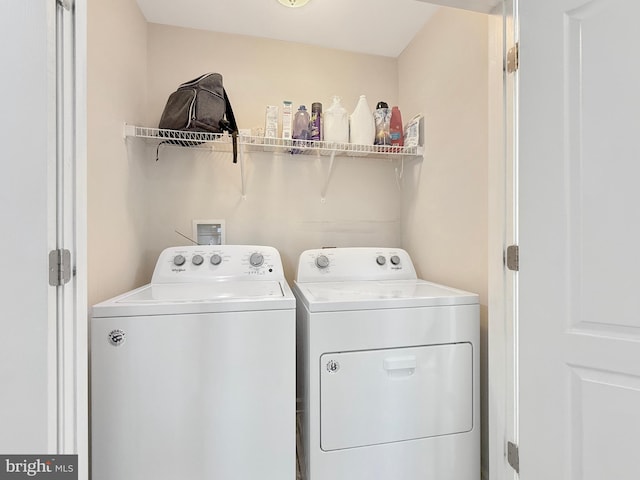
(179, 260)
(381, 260)
(395, 260)
(322, 261)
(256, 259)
(197, 260)
(216, 259)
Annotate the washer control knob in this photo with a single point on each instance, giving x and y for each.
(256, 259)
(216, 259)
(179, 260)
(381, 260)
(197, 260)
(395, 260)
(322, 261)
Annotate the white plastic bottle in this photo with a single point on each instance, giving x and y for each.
(336, 123)
(301, 124)
(363, 127)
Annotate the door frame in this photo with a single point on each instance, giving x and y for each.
(502, 370)
(81, 310)
(72, 311)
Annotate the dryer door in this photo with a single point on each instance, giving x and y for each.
(380, 396)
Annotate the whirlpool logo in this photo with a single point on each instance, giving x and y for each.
(57, 467)
(117, 337)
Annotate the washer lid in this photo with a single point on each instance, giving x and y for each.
(179, 298)
(366, 295)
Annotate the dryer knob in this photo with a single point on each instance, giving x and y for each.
(216, 259)
(395, 259)
(256, 259)
(322, 261)
(381, 260)
(179, 260)
(197, 260)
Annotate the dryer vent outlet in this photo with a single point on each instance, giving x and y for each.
(209, 232)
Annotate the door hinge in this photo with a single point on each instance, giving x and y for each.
(512, 258)
(513, 58)
(59, 267)
(66, 4)
(513, 456)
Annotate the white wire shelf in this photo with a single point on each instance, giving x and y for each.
(253, 143)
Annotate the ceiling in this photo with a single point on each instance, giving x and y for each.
(378, 27)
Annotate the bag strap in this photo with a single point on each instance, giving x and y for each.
(158, 149)
(233, 126)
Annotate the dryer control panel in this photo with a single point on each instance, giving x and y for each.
(201, 263)
(355, 263)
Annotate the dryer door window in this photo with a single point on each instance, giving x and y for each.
(381, 396)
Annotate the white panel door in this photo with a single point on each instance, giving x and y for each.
(579, 229)
(27, 135)
(43, 393)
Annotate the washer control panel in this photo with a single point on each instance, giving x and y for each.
(356, 263)
(200, 263)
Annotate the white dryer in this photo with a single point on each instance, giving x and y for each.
(193, 375)
(388, 369)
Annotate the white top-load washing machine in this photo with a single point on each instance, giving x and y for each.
(388, 369)
(193, 375)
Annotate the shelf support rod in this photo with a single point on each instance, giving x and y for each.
(323, 195)
(242, 172)
(400, 174)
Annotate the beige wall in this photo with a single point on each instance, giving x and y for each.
(283, 206)
(444, 75)
(136, 203)
(259, 72)
(116, 92)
